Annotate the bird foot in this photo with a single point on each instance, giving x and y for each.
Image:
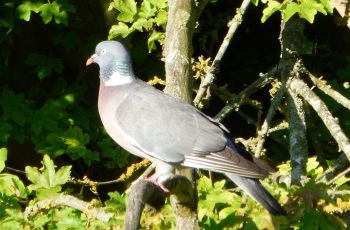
(155, 180)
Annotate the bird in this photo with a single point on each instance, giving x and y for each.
(167, 131)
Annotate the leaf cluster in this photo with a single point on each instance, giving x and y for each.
(148, 17)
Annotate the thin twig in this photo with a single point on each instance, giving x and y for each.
(338, 176)
(15, 170)
(210, 74)
(324, 87)
(267, 122)
(239, 99)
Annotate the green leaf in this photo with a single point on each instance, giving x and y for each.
(11, 185)
(3, 158)
(119, 30)
(49, 172)
(48, 181)
(327, 5)
(5, 130)
(161, 17)
(140, 24)
(155, 36)
(45, 66)
(25, 9)
(53, 10)
(272, 7)
(308, 10)
(127, 9)
(290, 10)
(255, 2)
(117, 202)
(147, 10)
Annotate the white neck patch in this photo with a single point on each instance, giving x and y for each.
(118, 79)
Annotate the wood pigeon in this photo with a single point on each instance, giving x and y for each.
(167, 131)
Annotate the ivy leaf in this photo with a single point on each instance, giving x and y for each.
(119, 30)
(24, 10)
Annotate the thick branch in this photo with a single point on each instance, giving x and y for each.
(141, 193)
(343, 8)
(178, 48)
(323, 112)
(70, 201)
(182, 16)
(297, 137)
(210, 75)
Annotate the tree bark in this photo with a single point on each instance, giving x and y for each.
(182, 16)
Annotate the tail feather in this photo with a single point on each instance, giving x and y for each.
(254, 188)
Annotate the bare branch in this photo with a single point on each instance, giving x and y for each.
(264, 130)
(239, 99)
(324, 87)
(323, 112)
(338, 176)
(70, 201)
(210, 74)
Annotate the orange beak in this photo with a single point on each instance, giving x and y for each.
(91, 59)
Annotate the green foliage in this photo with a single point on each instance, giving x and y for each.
(44, 66)
(47, 181)
(148, 17)
(57, 10)
(47, 106)
(306, 9)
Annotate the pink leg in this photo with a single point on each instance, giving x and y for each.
(154, 179)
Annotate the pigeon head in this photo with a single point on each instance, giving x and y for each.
(114, 62)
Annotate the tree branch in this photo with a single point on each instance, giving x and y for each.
(324, 87)
(182, 16)
(210, 74)
(141, 192)
(297, 137)
(264, 130)
(239, 99)
(323, 112)
(343, 8)
(70, 201)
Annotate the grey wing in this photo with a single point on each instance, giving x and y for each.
(168, 129)
(165, 127)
